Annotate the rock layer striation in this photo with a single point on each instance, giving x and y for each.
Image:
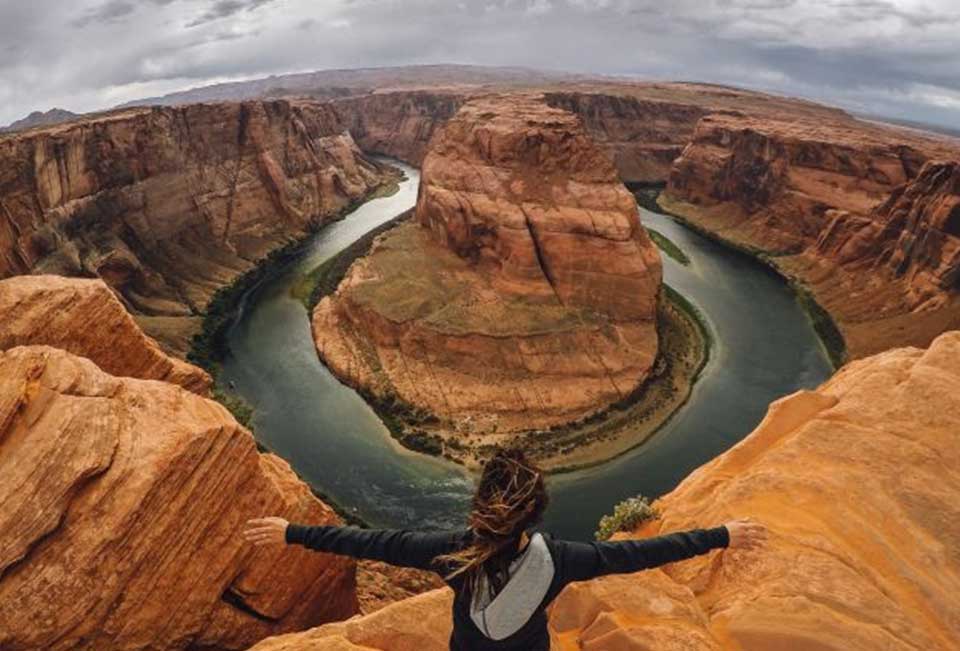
(523, 295)
(858, 212)
(167, 205)
(85, 318)
(122, 502)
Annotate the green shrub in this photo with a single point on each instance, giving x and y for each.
(627, 516)
(240, 408)
(666, 245)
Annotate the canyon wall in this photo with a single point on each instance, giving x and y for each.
(398, 124)
(523, 295)
(853, 210)
(167, 205)
(914, 236)
(878, 569)
(123, 498)
(641, 136)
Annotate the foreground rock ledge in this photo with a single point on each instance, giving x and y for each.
(120, 508)
(85, 318)
(859, 483)
(524, 294)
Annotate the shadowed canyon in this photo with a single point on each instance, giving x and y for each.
(521, 299)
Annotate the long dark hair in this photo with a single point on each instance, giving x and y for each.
(510, 498)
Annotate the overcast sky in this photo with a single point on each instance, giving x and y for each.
(899, 58)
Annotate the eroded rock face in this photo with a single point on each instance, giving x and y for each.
(914, 235)
(854, 211)
(875, 569)
(523, 296)
(641, 136)
(400, 123)
(84, 317)
(878, 569)
(122, 501)
(421, 623)
(772, 182)
(167, 205)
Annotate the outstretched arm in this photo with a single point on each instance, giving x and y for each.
(397, 547)
(582, 561)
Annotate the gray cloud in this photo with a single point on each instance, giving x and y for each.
(225, 8)
(896, 57)
(114, 10)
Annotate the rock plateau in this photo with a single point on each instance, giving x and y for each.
(523, 294)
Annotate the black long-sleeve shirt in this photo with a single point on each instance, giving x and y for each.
(572, 561)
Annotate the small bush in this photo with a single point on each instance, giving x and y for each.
(240, 408)
(627, 516)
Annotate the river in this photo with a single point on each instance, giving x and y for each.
(764, 348)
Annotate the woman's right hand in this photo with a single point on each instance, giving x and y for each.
(746, 534)
(266, 531)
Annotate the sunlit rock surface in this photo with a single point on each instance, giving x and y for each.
(84, 317)
(120, 511)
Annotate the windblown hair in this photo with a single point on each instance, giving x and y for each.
(510, 498)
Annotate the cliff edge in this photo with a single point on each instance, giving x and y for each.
(874, 569)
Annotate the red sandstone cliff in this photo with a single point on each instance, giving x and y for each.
(848, 208)
(641, 136)
(914, 236)
(121, 504)
(399, 123)
(525, 294)
(877, 569)
(169, 204)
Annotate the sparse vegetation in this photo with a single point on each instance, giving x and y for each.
(240, 408)
(210, 346)
(666, 245)
(647, 197)
(627, 516)
(824, 325)
(324, 279)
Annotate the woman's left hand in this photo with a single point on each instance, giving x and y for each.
(266, 531)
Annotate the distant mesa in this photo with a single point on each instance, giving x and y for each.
(40, 119)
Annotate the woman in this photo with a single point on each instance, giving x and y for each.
(503, 576)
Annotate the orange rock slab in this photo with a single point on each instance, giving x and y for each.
(120, 513)
(85, 318)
